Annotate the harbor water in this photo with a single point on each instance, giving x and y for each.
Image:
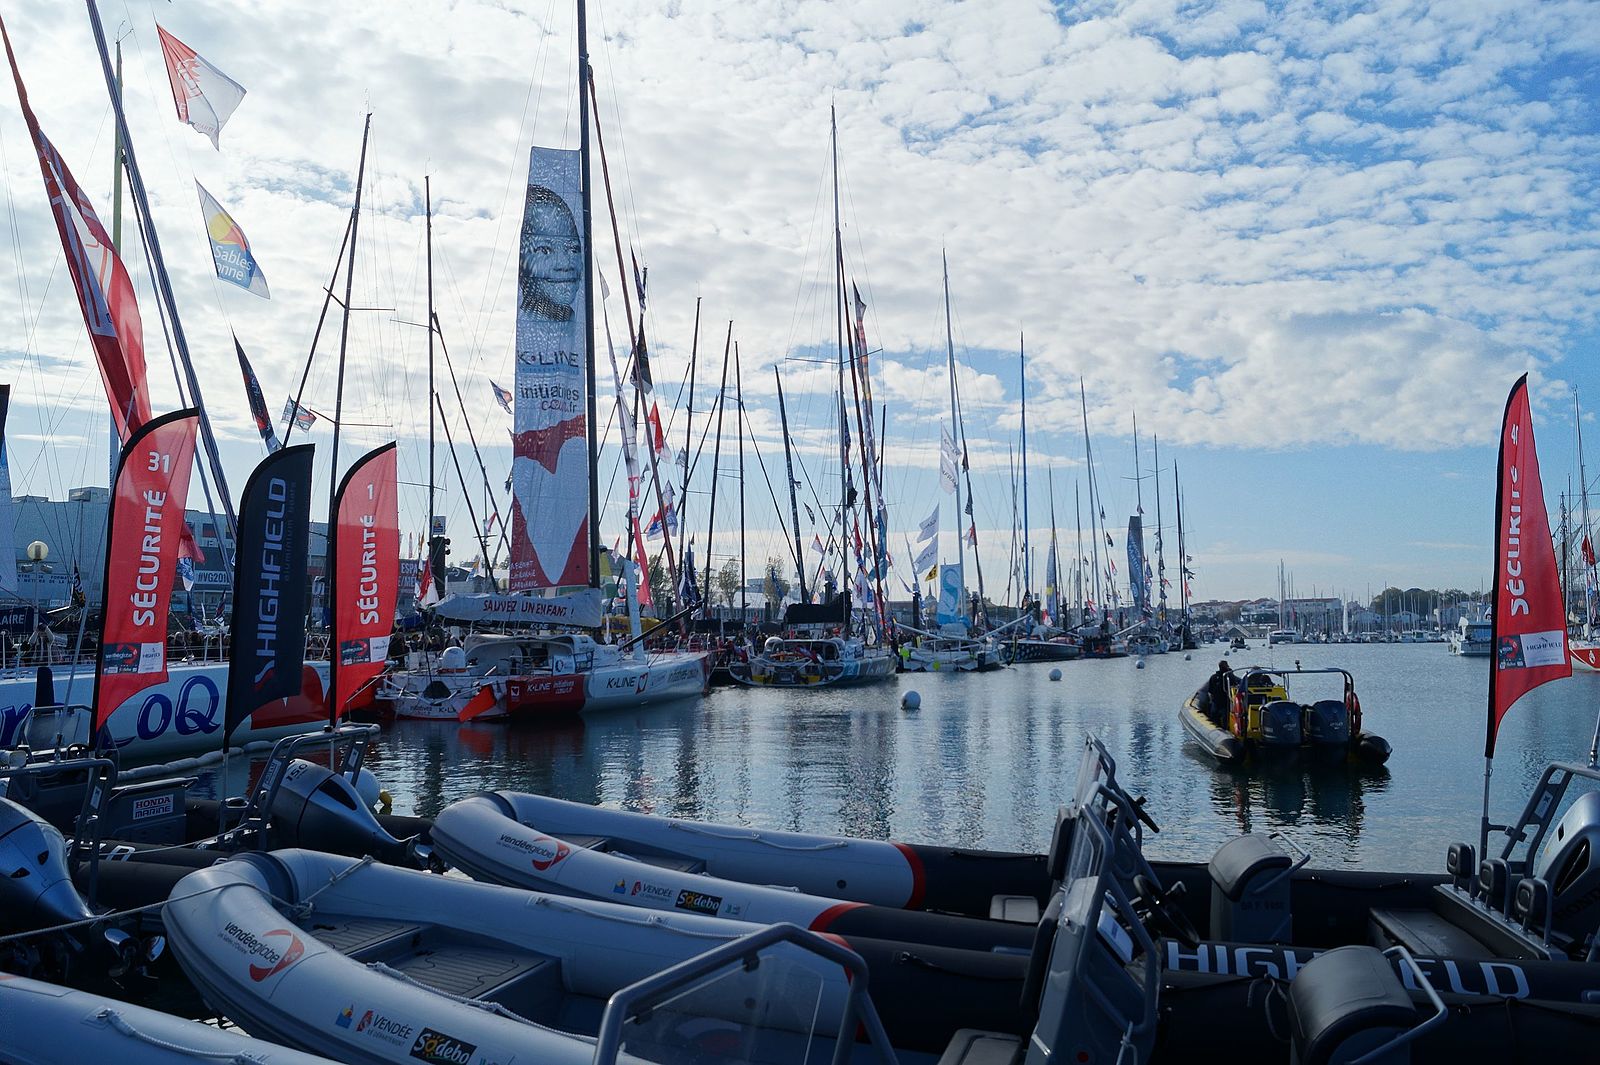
(988, 758)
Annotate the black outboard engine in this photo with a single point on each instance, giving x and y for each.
(1570, 865)
(1280, 724)
(1327, 723)
(317, 808)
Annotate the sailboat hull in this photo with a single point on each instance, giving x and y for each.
(1585, 655)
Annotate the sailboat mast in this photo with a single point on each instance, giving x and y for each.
(587, 201)
(955, 424)
(1094, 533)
(1027, 558)
(844, 420)
(427, 198)
(794, 504)
(1183, 551)
(163, 283)
(115, 440)
(716, 459)
(1161, 555)
(688, 428)
(338, 418)
(1077, 564)
(1583, 537)
(738, 391)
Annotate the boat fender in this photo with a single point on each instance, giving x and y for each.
(1055, 674)
(1352, 705)
(1372, 748)
(911, 701)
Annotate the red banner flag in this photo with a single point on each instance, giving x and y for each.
(144, 527)
(365, 568)
(1530, 623)
(105, 292)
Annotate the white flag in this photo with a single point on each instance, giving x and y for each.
(205, 96)
(928, 556)
(930, 526)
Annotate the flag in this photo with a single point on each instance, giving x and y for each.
(948, 457)
(270, 579)
(302, 417)
(972, 534)
(186, 573)
(929, 529)
(1530, 628)
(816, 544)
(810, 517)
(933, 574)
(258, 402)
(230, 251)
(143, 524)
(666, 516)
(78, 598)
(968, 506)
(364, 559)
(857, 531)
(1588, 551)
(204, 96)
(105, 292)
(502, 397)
(928, 556)
(688, 592)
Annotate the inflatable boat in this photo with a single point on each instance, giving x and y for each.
(45, 1024)
(882, 873)
(483, 837)
(363, 962)
(1261, 720)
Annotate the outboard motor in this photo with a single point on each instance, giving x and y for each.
(1280, 724)
(1327, 723)
(317, 808)
(36, 888)
(1570, 865)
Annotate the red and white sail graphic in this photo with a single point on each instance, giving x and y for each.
(144, 528)
(365, 571)
(204, 96)
(105, 292)
(550, 452)
(1530, 620)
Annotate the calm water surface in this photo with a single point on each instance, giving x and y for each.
(988, 758)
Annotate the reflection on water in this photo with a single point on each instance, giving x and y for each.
(989, 757)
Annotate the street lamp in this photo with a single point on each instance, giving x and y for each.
(37, 552)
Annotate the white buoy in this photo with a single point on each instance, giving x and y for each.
(910, 701)
(1138, 663)
(1187, 656)
(1055, 674)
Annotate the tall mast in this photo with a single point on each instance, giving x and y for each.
(955, 425)
(338, 418)
(1583, 538)
(1183, 551)
(427, 197)
(844, 421)
(163, 283)
(116, 245)
(1053, 578)
(716, 459)
(588, 294)
(1027, 559)
(738, 391)
(1094, 533)
(794, 505)
(1161, 556)
(688, 430)
(1138, 475)
(1077, 564)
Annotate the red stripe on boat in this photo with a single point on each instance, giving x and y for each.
(832, 914)
(919, 875)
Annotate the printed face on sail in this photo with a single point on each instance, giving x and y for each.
(552, 256)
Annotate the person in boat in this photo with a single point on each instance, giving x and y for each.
(1219, 691)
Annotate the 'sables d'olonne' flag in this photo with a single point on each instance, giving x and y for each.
(144, 526)
(230, 251)
(271, 571)
(365, 563)
(204, 96)
(1530, 620)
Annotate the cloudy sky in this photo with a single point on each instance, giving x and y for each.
(1309, 245)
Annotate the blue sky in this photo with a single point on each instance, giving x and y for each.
(1310, 245)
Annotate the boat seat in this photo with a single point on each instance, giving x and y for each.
(517, 979)
(1426, 933)
(1346, 1003)
(970, 1046)
(1023, 909)
(641, 852)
